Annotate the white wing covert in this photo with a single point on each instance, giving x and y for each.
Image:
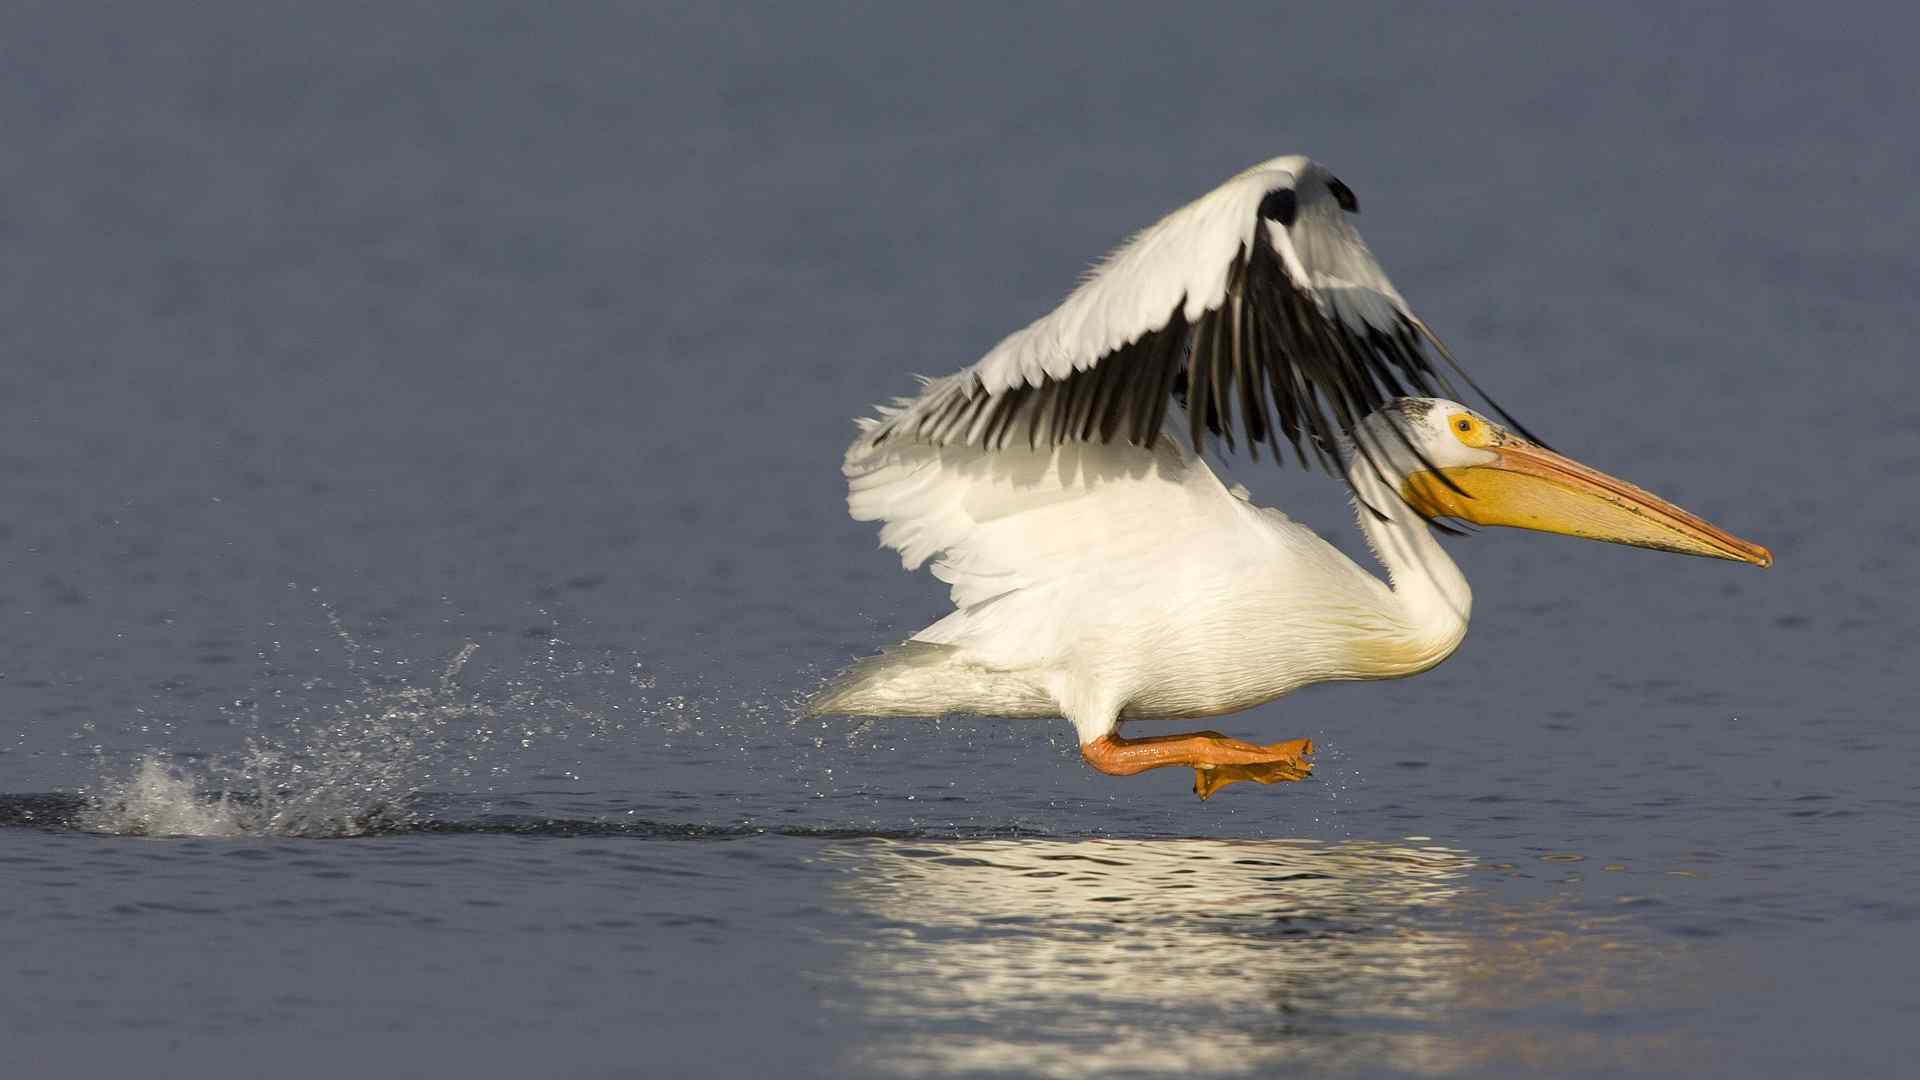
(1258, 307)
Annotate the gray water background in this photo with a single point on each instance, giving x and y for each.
(420, 426)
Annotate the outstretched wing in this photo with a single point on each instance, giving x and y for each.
(1257, 306)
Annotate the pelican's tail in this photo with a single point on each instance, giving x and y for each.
(920, 678)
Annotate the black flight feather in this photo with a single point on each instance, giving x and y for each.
(1303, 377)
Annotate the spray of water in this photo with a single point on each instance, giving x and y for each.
(320, 761)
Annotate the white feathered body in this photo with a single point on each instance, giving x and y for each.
(1105, 582)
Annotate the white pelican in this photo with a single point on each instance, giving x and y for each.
(1100, 571)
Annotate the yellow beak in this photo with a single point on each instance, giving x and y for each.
(1531, 487)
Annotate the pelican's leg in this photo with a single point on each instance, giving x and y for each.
(1216, 759)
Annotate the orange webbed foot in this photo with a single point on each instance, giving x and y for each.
(1289, 762)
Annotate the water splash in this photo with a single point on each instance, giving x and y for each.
(352, 769)
(326, 761)
(160, 801)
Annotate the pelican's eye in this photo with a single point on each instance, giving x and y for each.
(1469, 429)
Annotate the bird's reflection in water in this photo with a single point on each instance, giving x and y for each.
(1097, 957)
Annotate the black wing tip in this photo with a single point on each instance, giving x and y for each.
(1281, 204)
(1343, 195)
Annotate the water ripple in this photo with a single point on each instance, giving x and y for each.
(193, 814)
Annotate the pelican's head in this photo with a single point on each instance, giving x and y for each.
(1455, 463)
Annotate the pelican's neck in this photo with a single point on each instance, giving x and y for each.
(1429, 589)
